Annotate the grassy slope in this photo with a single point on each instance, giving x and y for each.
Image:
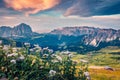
(103, 58)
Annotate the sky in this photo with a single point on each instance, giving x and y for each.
(46, 15)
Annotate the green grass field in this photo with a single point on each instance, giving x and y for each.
(109, 56)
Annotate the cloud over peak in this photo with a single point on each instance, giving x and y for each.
(31, 6)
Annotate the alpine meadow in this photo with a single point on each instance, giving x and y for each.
(59, 39)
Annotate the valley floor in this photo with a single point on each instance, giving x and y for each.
(97, 61)
(102, 74)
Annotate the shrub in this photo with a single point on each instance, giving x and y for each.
(43, 65)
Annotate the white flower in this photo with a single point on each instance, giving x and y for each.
(37, 50)
(36, 45)
(45, 55)
(52, 72)
(53, 55)
(54, 61)
(13, 61)
(59, 58)
(88, 78)
(50, 50)
(70, 55)
(13, 54)
(0, 41)
(87, 74)
(41, 67)
(14, 49)
(66, 53)
(31, 50)
(1, 46)
(45, 48)
(6, 47)
(27, 44)
(21, 58)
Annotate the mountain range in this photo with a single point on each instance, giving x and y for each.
(92, 36)
(80, 38)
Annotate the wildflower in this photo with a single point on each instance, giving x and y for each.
(14, 49)
(21, 58)
(53, 55)
(16, 78)
(52, 72)
(59, 58)
(66, 53)
(13, 61)
(54, 61)
(13, 54)
(1, 46)
(87, 75)
(0, 41)
(27, 44)
(45, 55)
(45, 48)
(37, 51)
(6, 47)
(41, 67)
(50, 50)
(31, 50)
(70, 55)
(36, 45)
(88, 78)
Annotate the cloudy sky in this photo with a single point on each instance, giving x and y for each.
(45, 15)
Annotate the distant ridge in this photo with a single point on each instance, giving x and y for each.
(92, 36)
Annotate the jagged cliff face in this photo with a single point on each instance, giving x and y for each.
(22, 30)
(92, 36)
(74, 31)
(5, 31)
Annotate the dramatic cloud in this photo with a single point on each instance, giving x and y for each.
(31, 6)
(84, 8)
(94, 7)
(50, 14)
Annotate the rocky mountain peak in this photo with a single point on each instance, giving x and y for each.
(23, 26)
(5, 31)
(92, 36)
(74, 31)
(21, 30)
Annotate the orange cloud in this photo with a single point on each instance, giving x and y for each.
(31, 6)
(69, 11)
